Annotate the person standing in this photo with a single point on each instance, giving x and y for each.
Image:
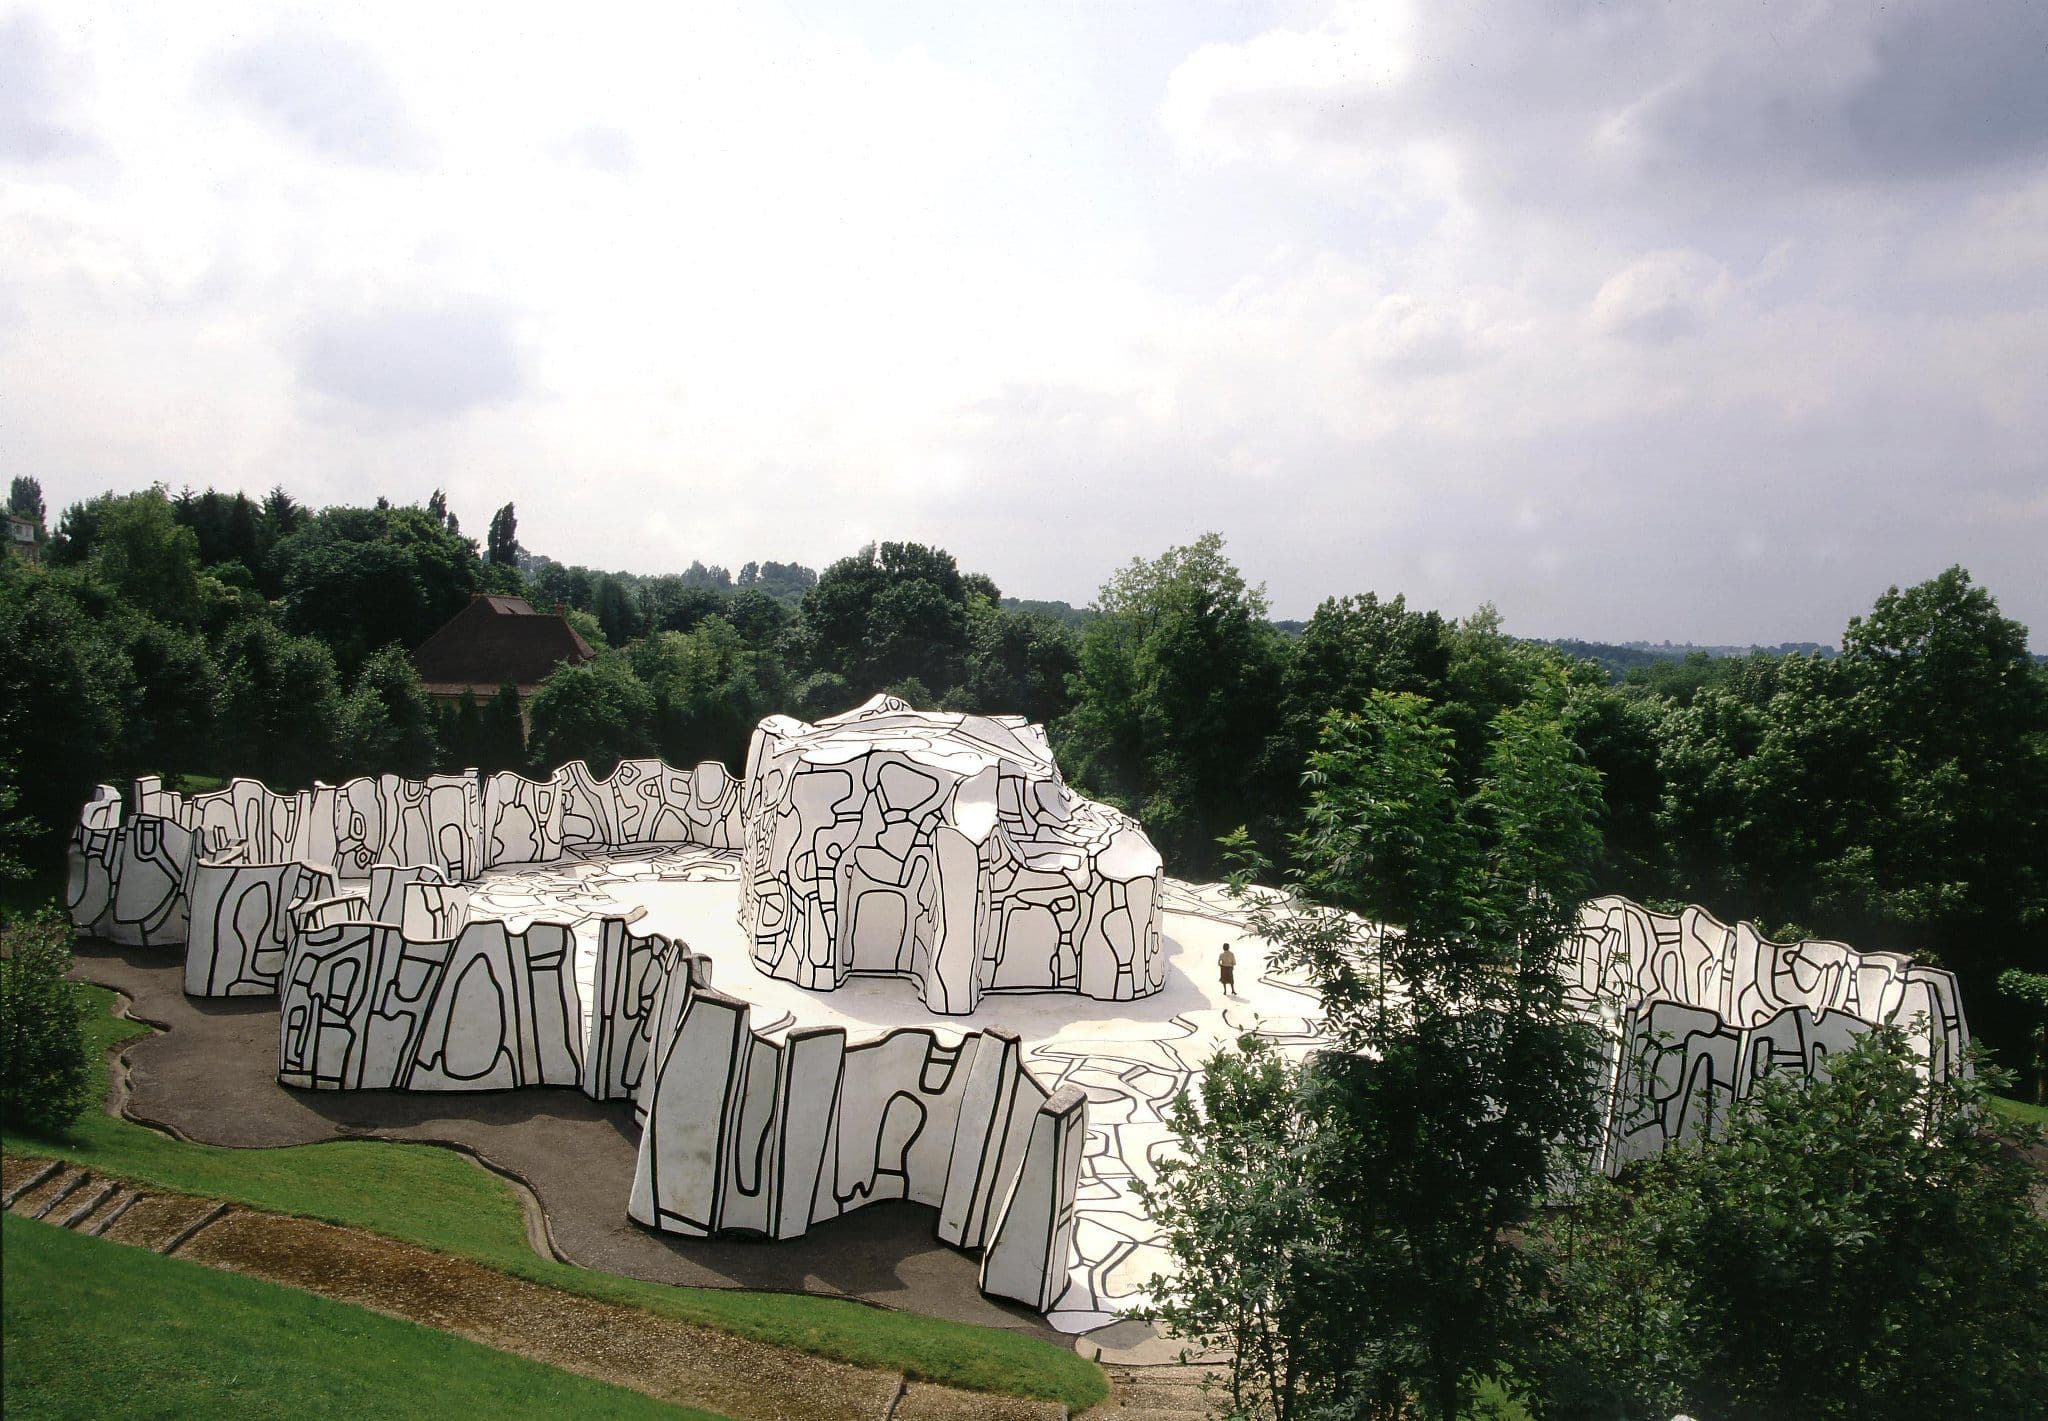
(1226, 968)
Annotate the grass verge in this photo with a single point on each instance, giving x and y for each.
(2026, 1112)
(96, 1329)
(443, 1200)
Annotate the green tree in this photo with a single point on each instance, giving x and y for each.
(362, 578)
(281, 706)
(1176, 701)
(501, 732)
(503, 541)
(144, 556)
(1959, 857)
(1859, 1245)
(708, 689)
(170, 715)
(1456, 1070)
(1252, 1234)
(1018, 663)
(618, 611)
(387, 723)
(65, 686)
(25, 500)
(2030, 991)
(890, 613)
(45, 1070)
(599, 713)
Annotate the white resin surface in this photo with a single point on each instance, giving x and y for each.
(1131, 1058)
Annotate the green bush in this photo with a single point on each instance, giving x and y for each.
(45, 1069)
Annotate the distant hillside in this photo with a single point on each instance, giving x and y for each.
(1620, 658)
(1063, 612)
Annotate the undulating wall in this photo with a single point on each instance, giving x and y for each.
(744, 1132)
(241, 926)
(945, 849)
(134, 877)
(1696, 1011)
(367, 1005)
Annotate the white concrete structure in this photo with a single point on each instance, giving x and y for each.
(1697, 1011)
(945, 849)
(815, 1078)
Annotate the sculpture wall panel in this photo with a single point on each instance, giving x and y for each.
(945, 849)
(1696, 1011)
(747, 1133)
(241, 924)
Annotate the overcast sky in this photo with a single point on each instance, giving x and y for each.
(1704, 322)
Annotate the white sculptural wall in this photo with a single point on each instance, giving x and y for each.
(240, 929)
(945, 849)
(369, 1005)
(133, 877)
(1696, 1011)
(746, 1133)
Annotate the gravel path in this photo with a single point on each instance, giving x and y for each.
(210, 1075)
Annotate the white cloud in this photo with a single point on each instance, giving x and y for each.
(1662, 296)
(1556, 308)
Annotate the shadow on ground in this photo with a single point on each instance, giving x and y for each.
(211, 1076)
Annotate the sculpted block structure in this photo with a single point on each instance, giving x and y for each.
(945, 849)
(744, 1132)
(1696, 1012)
(350, 903)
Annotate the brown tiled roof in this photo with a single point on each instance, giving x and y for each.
(494, 640)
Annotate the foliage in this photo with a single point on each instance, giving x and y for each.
(25, 500)
(1423, 1138)
(597, 713)
(1175, 699)
(281, 705)
(2030, 991)
(64, 688)
(95, 1328)
(502, 543)
(1862, 1244)
(362, 578)
(710, 690)
(146, 558)
(45, 1072)
(1253, 1236)
(387, 723)
(889, 613)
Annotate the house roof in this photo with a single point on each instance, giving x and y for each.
(494, 640)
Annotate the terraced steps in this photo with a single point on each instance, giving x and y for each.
(1161, 1393)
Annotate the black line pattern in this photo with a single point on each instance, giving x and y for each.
(1697, 1011)
(945, 849)
(241, 925)
(747, 1134)
(363, 1005)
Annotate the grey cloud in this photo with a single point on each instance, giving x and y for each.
(415, 362)
(325, 92)
(31, 103)
(1894, 93)
(1555, 105)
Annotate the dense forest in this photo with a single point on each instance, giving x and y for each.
(1893, 794)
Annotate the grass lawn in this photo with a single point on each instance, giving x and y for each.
(444, 1200)
(95, 1329)
(2024, 1111)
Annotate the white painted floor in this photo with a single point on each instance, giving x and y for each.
(1132, 1058)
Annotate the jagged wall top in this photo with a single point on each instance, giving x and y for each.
(945, 740)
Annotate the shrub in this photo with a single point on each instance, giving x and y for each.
(45, 1068)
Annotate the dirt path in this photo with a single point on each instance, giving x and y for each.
(664, 1358)
(210, 1076)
